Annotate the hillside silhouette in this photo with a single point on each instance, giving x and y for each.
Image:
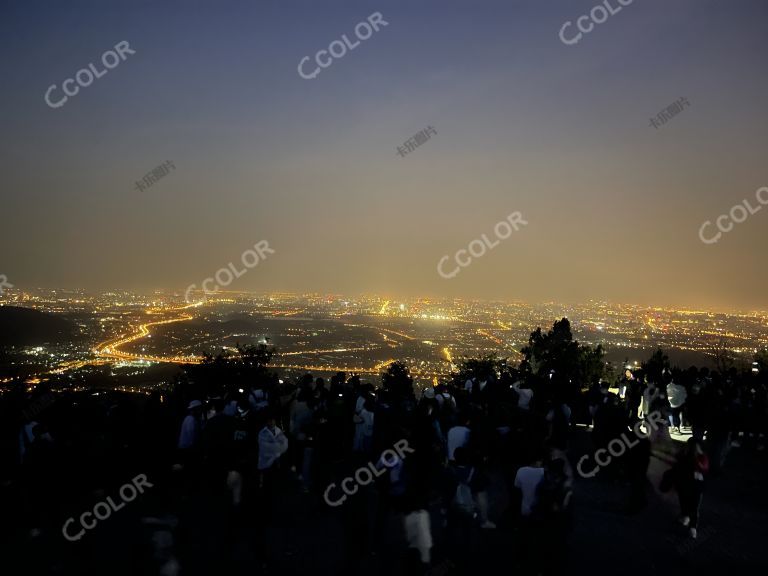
(28, 327)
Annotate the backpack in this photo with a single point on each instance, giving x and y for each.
(447, 412)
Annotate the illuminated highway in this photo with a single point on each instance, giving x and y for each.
(112, 350)
(491, 337)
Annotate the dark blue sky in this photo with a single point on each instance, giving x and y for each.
(524, 123)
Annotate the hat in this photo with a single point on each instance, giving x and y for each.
(194, 404)
(429, 393)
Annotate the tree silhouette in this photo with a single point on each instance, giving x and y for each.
(247, 366)
(655, 365)
(397, 380)
(592, 365)
(557, 356)
(480, 368)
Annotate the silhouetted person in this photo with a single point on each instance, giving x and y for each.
(690, 471)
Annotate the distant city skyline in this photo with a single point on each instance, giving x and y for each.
(384, 296)
(61, 333)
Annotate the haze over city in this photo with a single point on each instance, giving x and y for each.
(523, 123)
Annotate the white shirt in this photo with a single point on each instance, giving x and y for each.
(445, 397)
(418, 533)
(676, 394)
(365, 427)
(457, 436)
(272, 445)
(258, 399)
(189, 432)
(527, 479)
(524, 396)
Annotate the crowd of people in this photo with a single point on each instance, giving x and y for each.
(487, 452)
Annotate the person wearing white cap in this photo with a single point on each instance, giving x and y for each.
(190, 427)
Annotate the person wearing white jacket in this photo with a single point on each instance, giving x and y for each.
(272, 444)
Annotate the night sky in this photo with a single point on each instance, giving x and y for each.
(560, 133)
